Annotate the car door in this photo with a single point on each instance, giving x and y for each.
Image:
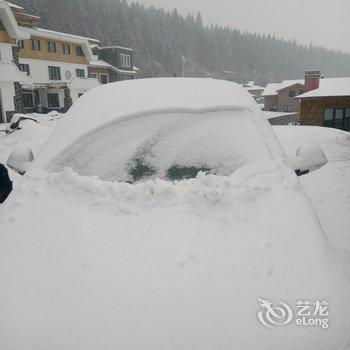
(2, 119)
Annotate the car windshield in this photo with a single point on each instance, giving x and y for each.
(172, 146)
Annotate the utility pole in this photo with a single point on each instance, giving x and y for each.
(183, 62)
(255, 74)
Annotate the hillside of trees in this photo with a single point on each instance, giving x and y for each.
(160, 40)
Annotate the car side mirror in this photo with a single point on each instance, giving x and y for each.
(308, 158)
(20, 159)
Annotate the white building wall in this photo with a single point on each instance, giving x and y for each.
(39, 70)
(39, 74)
(7, 93)
(7, 90)
(6, 53)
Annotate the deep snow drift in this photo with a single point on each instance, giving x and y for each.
(32, 135)
(164, 265)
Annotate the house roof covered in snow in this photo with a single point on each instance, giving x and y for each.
(14, 6)
(117, 47)
(330, 87)
(57, 35)
(104, 64)
(250, 86)
(273, 88)
(100, 63)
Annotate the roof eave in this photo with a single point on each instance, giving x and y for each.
(323, 96)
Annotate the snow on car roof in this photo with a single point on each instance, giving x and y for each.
(110, 102)
(330, 87)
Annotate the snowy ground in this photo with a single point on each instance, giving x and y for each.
(329, 187)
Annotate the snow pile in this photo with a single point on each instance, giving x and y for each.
(329, 187)
(32, 135)
(164, 265)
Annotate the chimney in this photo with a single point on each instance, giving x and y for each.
(312, 80)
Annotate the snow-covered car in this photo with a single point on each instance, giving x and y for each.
(164, 214)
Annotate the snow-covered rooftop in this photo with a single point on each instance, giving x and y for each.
(250, 86)
(272, 88)
(255, 88)
(100, 63)
(330, 87)
(117, 47)
(14, 6)
(54, 34)
(104, 64)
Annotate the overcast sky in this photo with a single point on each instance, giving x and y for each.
(322, 22)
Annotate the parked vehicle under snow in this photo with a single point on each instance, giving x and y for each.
(99, 263)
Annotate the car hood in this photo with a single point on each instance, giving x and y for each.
(86, 264)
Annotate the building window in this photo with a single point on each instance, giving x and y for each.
(24, 68)
(21, 44)
(66, 49)
(53, 101)
(36, 97)
(292, 93)
(338, 118)
(328, 117)
(104, 78)
(35, 44)
(347, 112)
(125, 60)
(54, 73)
(347, 119)
(28, 101)
(80, 73)
(80, 51)
(51, 46)
(288, 108)
(93, 75)
(272, 108)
